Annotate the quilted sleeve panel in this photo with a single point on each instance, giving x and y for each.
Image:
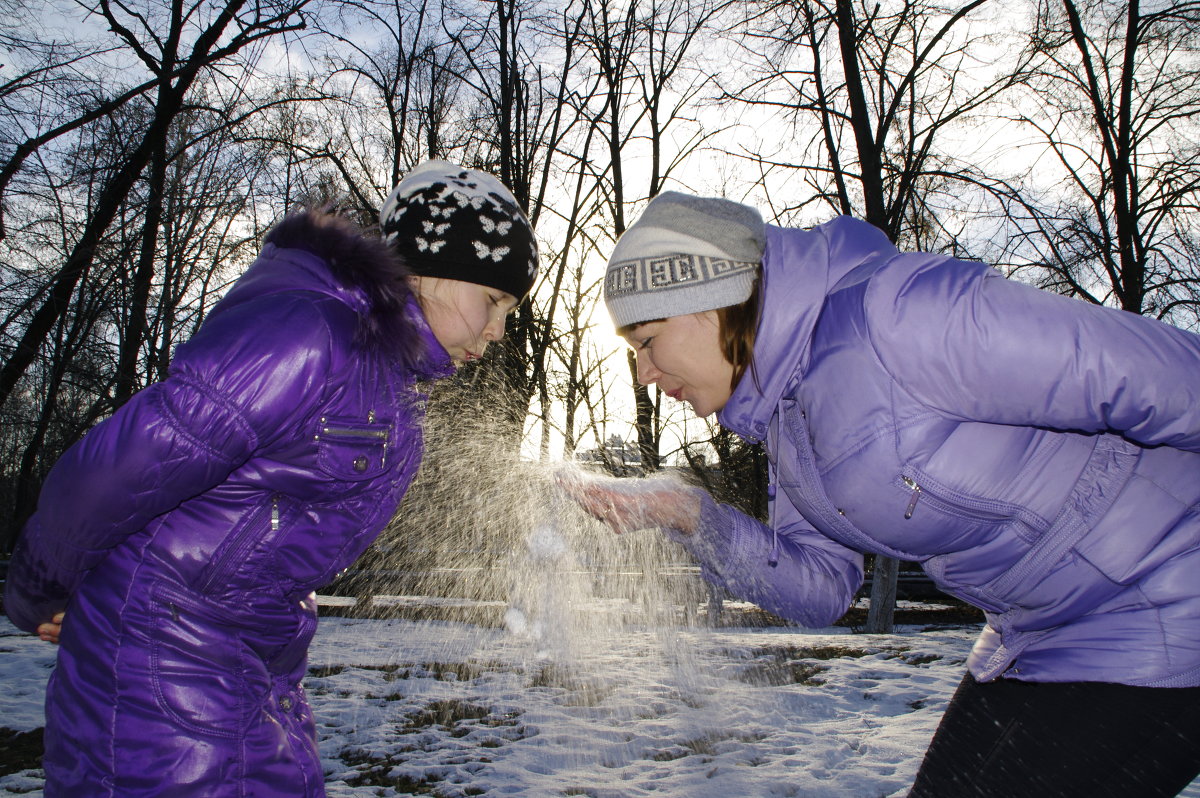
(966, 341)
(798, 574)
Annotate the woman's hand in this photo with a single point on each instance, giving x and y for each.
(50, 630)
(627, 505)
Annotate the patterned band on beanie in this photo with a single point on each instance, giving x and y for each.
(655, 288)
(461, 224)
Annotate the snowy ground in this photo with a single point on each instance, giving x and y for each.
(452, 709)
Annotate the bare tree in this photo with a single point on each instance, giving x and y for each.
(644, 85)
(879, 99)
(386, 102)
(60, 403)
(176, 47)
(519, 127)
(741, 473)
(1116, 118)
(566, 337)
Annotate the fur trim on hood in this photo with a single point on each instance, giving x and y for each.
(359, 260)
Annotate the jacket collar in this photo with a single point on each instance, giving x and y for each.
(800, 269)
(435, 362)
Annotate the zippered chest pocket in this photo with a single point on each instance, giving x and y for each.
(353, 450)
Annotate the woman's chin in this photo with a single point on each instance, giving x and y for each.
(704, 409)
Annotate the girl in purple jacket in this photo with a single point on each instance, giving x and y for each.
(1039, 456)
(184, 536)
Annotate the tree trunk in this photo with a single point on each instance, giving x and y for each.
(647, 429)
(135, 328)
(882, 612)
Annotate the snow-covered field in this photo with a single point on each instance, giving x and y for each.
(453, 709)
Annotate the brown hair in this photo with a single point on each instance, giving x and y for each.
(736, 328)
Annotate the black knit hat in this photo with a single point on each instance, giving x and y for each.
(460, 224)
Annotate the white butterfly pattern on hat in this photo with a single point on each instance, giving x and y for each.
(463, 200)
(436, 229)
(483, 251)
(432, 246)
(498, 227)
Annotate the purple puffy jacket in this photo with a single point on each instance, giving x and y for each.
(185, 535)
(1036, 454)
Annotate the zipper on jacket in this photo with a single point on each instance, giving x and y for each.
(776, 547)
(916, 495)
(354, 434)
(236, 554)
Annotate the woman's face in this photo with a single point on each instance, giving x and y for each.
(465, 317)
(682, 356)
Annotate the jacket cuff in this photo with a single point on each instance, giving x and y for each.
(31, 596)
(715, 540)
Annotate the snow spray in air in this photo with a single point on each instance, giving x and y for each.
(488, 539)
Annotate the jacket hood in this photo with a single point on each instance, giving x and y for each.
(800, 270)
(316, 252)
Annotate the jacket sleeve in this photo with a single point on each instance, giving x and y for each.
(229, 389)
(808, 579)
(963, 339)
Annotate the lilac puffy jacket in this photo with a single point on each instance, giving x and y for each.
(1036, 454)
(185, 534)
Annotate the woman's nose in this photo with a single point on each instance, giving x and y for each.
(647, 373)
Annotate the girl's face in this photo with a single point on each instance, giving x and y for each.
(464, 317)
(682, 355)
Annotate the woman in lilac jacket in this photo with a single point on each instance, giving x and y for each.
(1039, 456)
(184, 536)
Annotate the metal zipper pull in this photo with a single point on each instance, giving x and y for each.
(353, 434)
(912, 502)
(274, 513)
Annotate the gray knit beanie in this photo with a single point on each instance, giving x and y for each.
(684, 255)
